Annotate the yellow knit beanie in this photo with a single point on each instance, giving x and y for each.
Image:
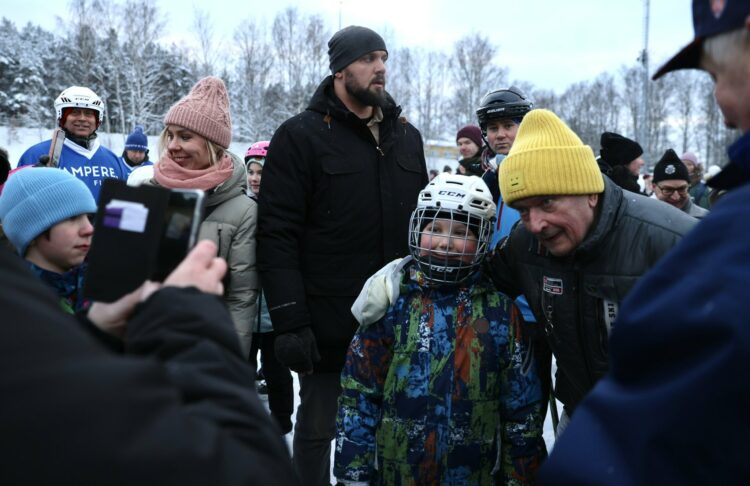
(548, 158)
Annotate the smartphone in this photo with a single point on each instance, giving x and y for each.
(182, 221)
(140, 233)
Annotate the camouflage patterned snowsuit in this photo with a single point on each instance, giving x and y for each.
(428, 389)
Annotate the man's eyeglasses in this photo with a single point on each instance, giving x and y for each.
(668, 191)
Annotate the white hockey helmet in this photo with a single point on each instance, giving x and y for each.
(457, 198)
(80, 97)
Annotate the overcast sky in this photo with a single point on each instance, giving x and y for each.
(550, 43)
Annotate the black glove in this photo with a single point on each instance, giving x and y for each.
(297, 350)
(43, 161)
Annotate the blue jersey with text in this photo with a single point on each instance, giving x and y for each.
(91, 166)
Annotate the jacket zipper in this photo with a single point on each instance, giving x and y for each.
(581, 325)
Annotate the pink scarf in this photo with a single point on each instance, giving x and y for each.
(170, 174)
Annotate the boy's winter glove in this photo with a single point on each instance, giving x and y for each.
(379, 292)
(297, 350)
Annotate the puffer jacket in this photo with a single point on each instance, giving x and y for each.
(230, 222)
(576, 297)
(334, 208)
(431, 390)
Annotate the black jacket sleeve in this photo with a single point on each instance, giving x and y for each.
(179, 410)
(501, 266)
(282, 215)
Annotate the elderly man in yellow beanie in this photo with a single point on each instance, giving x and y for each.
(582, 246)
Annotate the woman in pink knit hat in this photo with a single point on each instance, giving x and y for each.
(193, 155)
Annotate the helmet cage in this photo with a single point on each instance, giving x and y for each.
(452, 266)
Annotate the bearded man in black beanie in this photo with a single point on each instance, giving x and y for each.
(620, 159)
(339, 185)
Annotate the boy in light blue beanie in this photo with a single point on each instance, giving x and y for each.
(45, 215)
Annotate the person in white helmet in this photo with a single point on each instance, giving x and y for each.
(432, 389)
(79, 113)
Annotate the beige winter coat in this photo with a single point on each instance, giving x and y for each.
(230, 222)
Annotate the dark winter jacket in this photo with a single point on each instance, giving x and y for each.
(180, 409)
(335, 207)
(472, 166)
(576, 297)
(673, 408)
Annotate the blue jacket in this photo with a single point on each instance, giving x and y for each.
(91, 166)
(673, 408)
(68, 286)
(432, 387)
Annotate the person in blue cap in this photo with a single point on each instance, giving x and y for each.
(673, 407)
(45, 215)
(135, 153)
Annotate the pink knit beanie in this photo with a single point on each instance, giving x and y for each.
(205, 111)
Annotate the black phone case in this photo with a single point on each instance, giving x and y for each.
(120, 261)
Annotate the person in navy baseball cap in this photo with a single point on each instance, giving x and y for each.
(672, 408)
(722, 47)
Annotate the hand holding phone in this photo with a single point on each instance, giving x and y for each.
(140, 233)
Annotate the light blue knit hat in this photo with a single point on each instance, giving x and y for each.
(37, 198)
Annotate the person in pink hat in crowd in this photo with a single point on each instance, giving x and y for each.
(255, 157)
(274, 378)
(699, 191)
(469, 142)
(194, 154)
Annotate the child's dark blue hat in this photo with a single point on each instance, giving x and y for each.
(710, 17)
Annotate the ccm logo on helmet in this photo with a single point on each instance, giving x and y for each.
(456, 194)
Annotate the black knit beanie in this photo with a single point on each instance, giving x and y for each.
(619, 150)
(351, 43)
(670, 167)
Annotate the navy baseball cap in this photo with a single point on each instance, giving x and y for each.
(710, 17)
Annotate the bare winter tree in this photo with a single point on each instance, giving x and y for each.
(286, 33)
(657, 120)
(300, 43)
(139, 92)
(430, 95)
(631, 78)
(686, 107)
(473, 74)
(315, 49)
(255, 61)
(208, 48)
